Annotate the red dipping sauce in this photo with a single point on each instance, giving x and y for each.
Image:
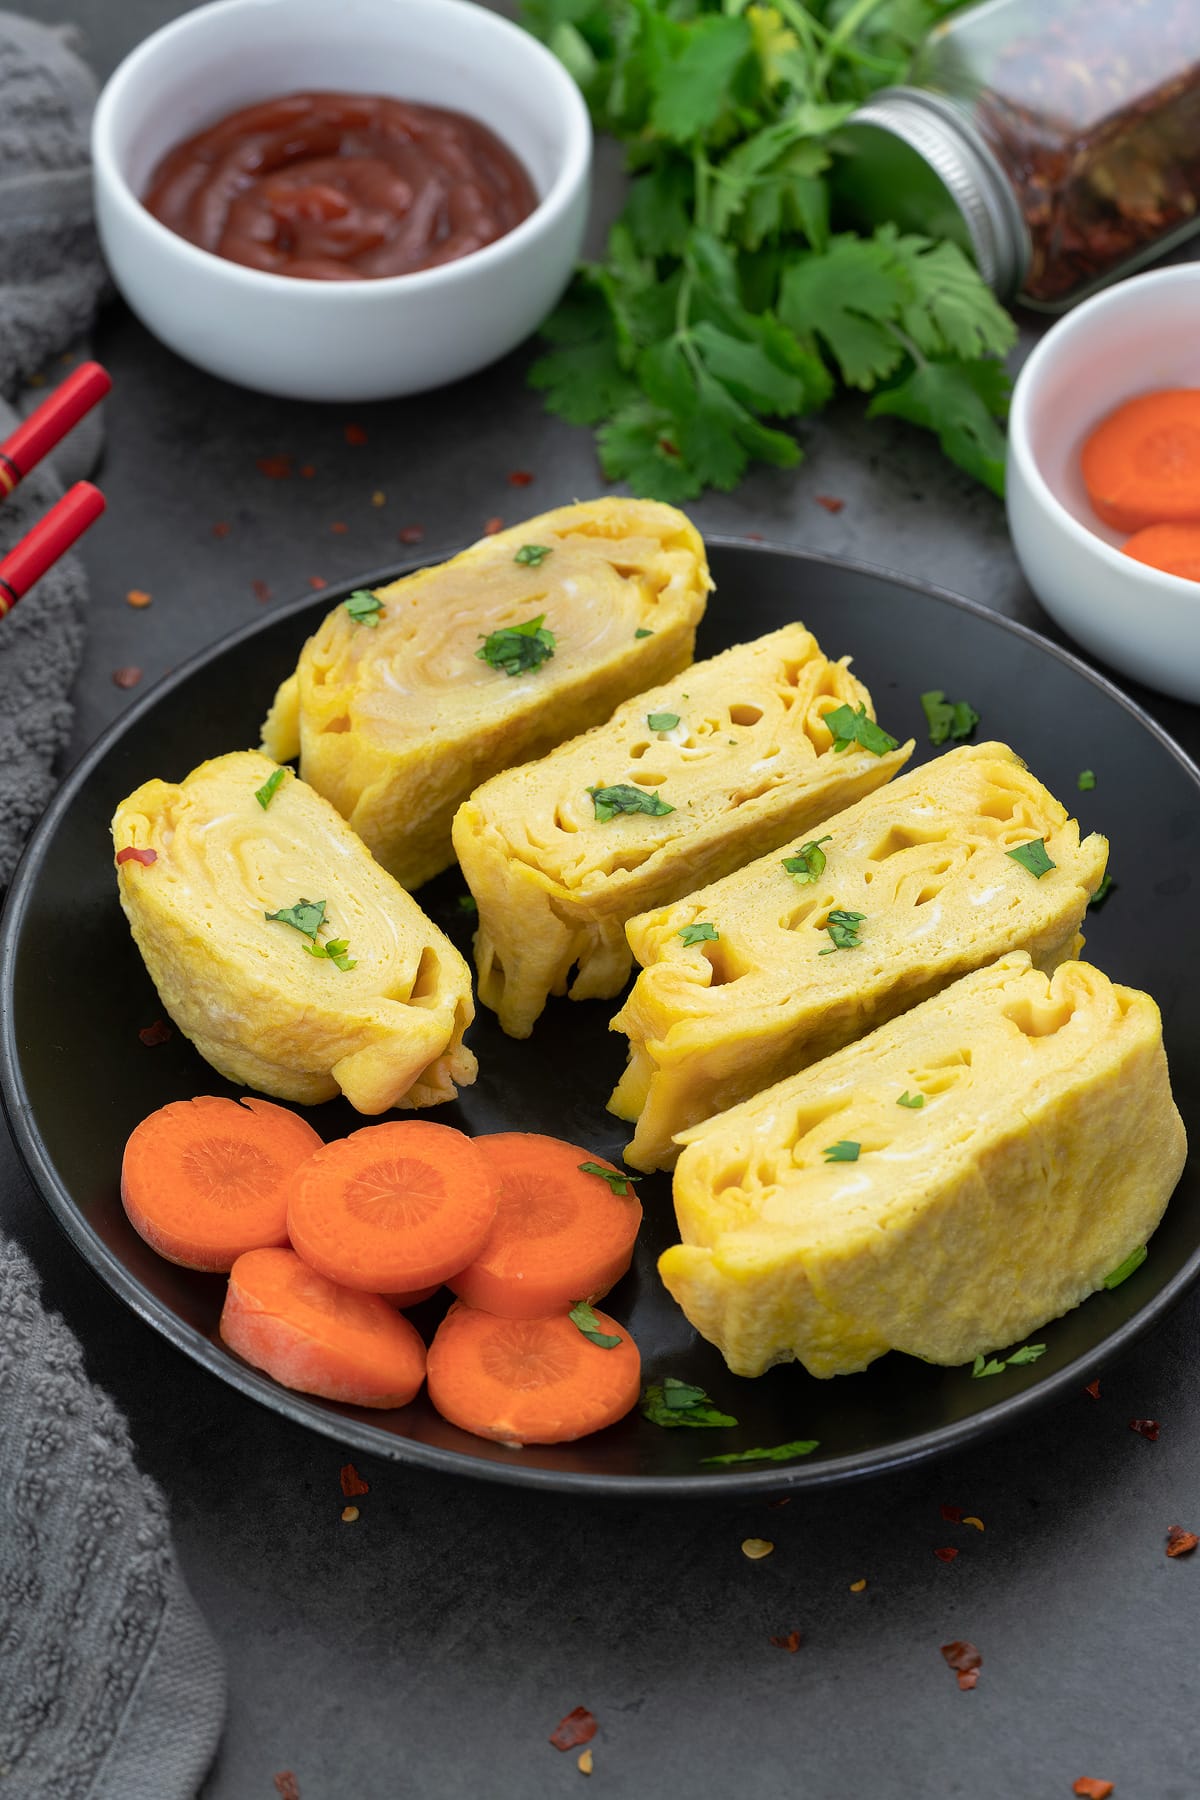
(341, 187)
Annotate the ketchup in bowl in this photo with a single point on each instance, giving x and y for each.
(341, 187)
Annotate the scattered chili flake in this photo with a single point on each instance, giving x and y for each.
(1180, 1542)
(976, 1522)
(138, 597)
(830, 502)
(317, 581)
(287, 1785)
(221, 529)
(757, 1548)
(261, 591)
(354, 434)
(308, 470)
(492, 526)
(349, 1514)
(275, 468)
(340, 527)
(127, 677)
(378, 498)
(753, 537)
(965, 1660)
(131, 853)
(1093, 1388)
(579, 1727)
(352, 1482)
(584, 1763)
(791, 1642)
(856, 1587)
(1147, 1428)
(780, 1501)
(1088, 1788)
(952, 1514)
(946, 1553)
(411, 534)
(520, 477)
(158, 1033)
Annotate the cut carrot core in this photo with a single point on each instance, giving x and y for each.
(1141, 465)
(204, 1180)
(1173, 548)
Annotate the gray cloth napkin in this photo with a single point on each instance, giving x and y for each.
(111, 1687)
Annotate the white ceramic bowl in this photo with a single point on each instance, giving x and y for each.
(1142, 334)
(345, 340)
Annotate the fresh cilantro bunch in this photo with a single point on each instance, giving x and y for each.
(727, 306)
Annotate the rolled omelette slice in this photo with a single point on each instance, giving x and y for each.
(396, 717)
(1041, 1155)
(737, 754)
(917, 886)
(380, 1020)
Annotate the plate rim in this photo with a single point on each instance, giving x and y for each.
(361, 1435)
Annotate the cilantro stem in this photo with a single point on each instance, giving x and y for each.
(837, 42)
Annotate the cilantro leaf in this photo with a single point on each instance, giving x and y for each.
(514, 649)
(643, 631)
(585, 1320)
(533, 555)
(847, 295)
(850, 727)
(336, 950)
(307, 916)
(949, 312)
(609, 801)
(1107, 884)
(364, 607)
(911, 1100)
(845, 929)
(1028, 1353)
(961, 402)
(808, 864)
(703, 933)
(467, 903)
(1124, 1270)
(955, 719)
(663, 721)
(1086, 782)
(694, 67)
(266, 793)
(675, 1402)
(1033, 856)
(776, 1453)
(845, 1150)
(617, 1179)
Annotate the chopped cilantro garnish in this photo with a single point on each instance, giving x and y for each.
(912, 1100)
(533, 554)
(307, 916)
(1028, 1353)
(265, 794)
(845, 1150)
(1124, 1270)
(776, 1453)
(467, 903)
(844, 928)
(1086, 782)
(643, 631)
(1033, 857)
(364, 607)
(808, 864)
(850, 727)
(677, 1402)
(336, 950)
(617, 1179)
(703, 933)
(954, 719)
(585, 1320)
(1107, 884)
(513, 649)
(609, 801)
(664, 721)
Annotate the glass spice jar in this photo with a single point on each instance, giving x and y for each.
(1057, 140)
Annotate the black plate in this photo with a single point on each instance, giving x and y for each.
(78, 1079)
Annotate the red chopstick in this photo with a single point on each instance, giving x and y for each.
(50, 422)
(28, 561)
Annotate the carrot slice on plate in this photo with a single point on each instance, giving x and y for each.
(317, 1337)
(1175, 549)
(530, 1381)
(203, 1180)
(393, 1207)
(562, 1232)
(1141, 465)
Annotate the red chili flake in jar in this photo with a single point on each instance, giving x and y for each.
(1093, 1388)
(830, 502)
(946, 1554)
(579, 1727)
(318, 582)
(260, 590)
(952, 1514)
(354, 434)
(520, 477)
(1180, 1542)
(127, 677)
(352, 1482)
(275, 468)
(965, 1660)
(158, 1033)
(492, 527)
(791, 1641)
(131, 853)
(1147, 1428)
(1088, 1788)
(221, 529)
(411, 534)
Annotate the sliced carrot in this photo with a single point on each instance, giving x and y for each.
(530, 1381)
(560, 1234)
(1172, 548)
(1141, 465)
(317, 1337)
(393, 1207)
(203, 1180)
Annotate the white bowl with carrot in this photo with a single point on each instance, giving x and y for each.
(1104, 477)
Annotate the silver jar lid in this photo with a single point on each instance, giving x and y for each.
(943, 136)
